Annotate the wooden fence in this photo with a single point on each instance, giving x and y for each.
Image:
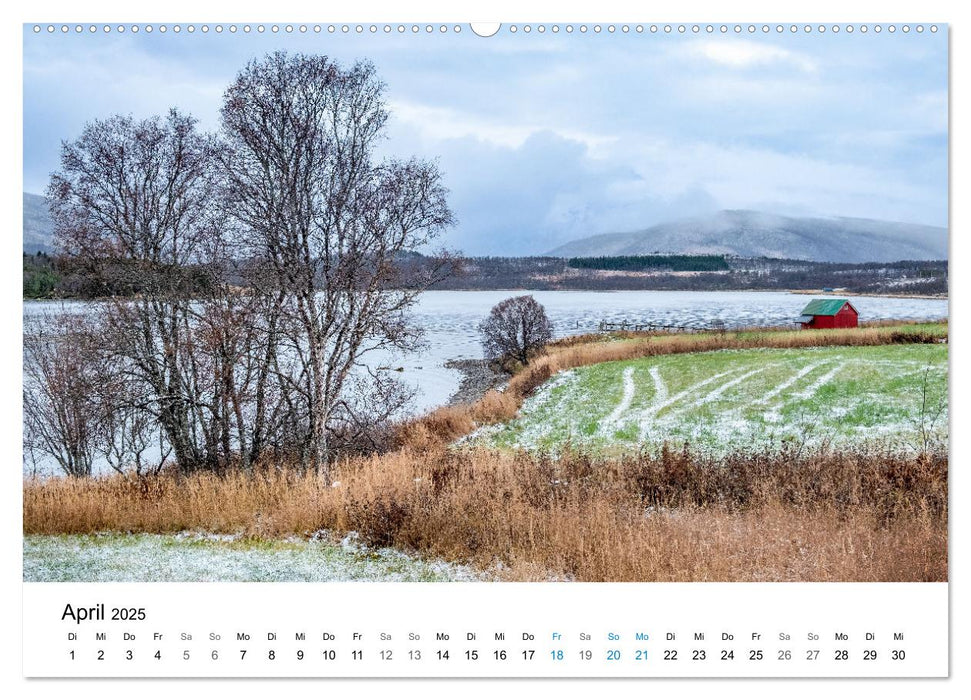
(613, 326)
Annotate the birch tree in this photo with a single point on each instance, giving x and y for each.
(327, 220)
(132, 207)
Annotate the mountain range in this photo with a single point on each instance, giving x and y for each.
(758, 234)
(38, 227)
(730, 232)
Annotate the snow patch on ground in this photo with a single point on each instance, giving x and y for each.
(535, 430)
(612, 422)
(716, 393)
(660, 388)
(821, 382)
(213, 557)
(646, 419)
(542, 396)
(789, 382)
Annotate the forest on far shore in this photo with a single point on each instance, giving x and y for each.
(644, 263)
(49, 277)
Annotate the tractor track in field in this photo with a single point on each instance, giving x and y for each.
(722, 402)
(811, 390)
(790, 381)
(614, 420)
(646, 419)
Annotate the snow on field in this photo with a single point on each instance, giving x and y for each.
(789, 382)
(741, 400)
(811, 390)
(611, 422)
(646, 419)
(210, 557)
(714, 394)
(660, 388)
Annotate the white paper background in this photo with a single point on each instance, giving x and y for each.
(828, 11)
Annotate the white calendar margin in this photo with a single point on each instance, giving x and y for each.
(441, 10)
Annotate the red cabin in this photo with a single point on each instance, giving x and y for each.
(829, 313)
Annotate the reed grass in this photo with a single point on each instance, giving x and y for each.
(670, 516)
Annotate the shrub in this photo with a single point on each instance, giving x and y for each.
(516, 329)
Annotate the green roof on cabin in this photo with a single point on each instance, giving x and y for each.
(824, 307)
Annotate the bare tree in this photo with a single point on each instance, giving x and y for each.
(328, 222)
(515, 329)
(247, 279)
(129, 437)
(133, 206)
(62, 415)
(80, 405)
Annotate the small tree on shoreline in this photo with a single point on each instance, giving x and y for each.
(515, 329)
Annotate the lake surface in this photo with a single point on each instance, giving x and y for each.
(451, 318)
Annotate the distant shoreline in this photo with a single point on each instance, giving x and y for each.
(888, 295)
(520, 290)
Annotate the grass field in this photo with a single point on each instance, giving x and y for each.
(731, 400)
(206, 557)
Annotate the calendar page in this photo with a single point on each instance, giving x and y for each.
(541, 349)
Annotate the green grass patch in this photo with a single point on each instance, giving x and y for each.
(889, 395)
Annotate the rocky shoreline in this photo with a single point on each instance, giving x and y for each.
(478, 376)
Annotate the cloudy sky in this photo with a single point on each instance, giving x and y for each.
(545, 138)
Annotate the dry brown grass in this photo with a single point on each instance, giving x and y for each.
(668, 517)
(823, 334)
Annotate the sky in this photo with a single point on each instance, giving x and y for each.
(546, 138)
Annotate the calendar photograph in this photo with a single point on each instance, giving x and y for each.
(517, 303)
